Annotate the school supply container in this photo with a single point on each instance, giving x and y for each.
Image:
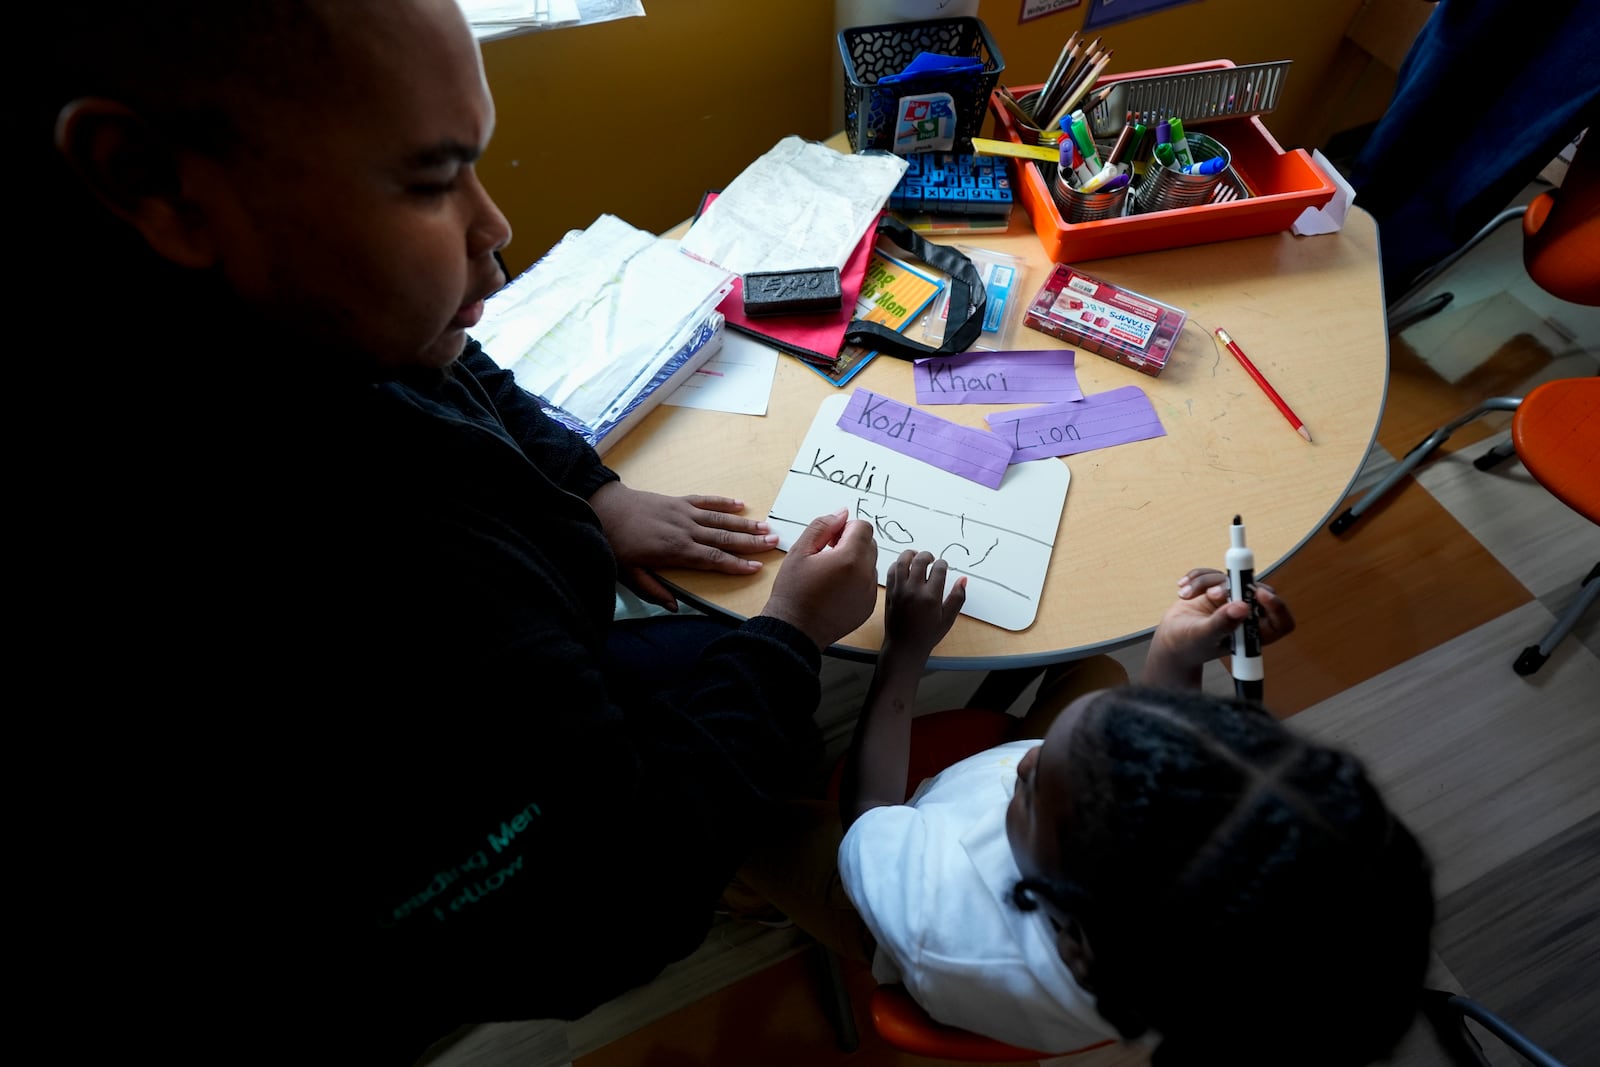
(1263, 190)
(872, 111)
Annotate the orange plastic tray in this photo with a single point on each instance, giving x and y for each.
(1282, 185)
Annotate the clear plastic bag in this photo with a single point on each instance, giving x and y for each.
(1002, 281)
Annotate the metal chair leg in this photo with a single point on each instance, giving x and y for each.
(1533, 657)
(1447, 1013)
(1400, 313)
(1399, 320)
(1496, 455)
(1414, 458)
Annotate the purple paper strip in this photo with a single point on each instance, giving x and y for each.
(1099, 421)
(1035, 377)
(976, 455)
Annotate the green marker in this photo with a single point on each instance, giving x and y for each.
(1085, 141)
(1136, 153)
(1180, 146)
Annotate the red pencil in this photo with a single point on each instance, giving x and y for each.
(1266, 387)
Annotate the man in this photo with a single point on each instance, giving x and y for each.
(404, 766)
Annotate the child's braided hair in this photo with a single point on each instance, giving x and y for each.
(1244, 892)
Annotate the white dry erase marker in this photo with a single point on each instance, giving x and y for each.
(1248, 672)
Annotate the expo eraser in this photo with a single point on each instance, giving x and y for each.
(792, 292)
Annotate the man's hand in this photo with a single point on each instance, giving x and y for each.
(649, 530)
(1198, 626)
(828, 584)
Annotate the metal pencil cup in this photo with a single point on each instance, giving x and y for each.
(1164, 188)
(1085, 207)
(1029, 134)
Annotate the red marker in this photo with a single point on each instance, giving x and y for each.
(1266, 387)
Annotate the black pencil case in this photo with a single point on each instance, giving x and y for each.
(792, 292)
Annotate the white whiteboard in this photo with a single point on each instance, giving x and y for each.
(1001, 539)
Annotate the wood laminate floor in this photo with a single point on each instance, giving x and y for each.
(1408, 628)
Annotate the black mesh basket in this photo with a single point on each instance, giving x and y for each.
(871, 52)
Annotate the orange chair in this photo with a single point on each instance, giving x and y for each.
(1556, 428)
(937, 741)
(1561, 231)
(1560, 242)
(1555, 432)
(904, 1025)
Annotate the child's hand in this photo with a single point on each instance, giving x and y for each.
(1198, 627)
(917, 613)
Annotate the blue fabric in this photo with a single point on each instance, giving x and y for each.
(1489, 93)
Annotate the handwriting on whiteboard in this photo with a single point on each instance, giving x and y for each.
(1001, 539)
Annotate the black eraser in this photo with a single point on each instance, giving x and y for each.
(792, 292)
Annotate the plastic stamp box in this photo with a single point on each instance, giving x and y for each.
(1097, 316)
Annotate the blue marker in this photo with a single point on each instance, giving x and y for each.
(1205, 166)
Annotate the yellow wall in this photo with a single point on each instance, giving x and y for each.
(638, 117)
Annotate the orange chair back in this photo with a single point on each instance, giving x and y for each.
(1561, 231)
(902, 1022)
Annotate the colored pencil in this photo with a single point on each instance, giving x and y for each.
(1060, 68)
(1081, 59)
(1018, 112)
(1266, 387)
(1070, 80)
(1085, 83)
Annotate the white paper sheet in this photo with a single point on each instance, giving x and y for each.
(800, 205)
(598, 315)
(737, 379)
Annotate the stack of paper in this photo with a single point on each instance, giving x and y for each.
(605, 324)
(701, 347)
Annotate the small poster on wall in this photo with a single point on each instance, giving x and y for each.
(1105, 12)
(1036, 9)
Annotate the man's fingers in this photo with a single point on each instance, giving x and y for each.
(821, 532)
(716, 503)
(726, 526)
(650, 589)
(852, 532)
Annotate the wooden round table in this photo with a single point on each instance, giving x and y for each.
(1308, 311)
